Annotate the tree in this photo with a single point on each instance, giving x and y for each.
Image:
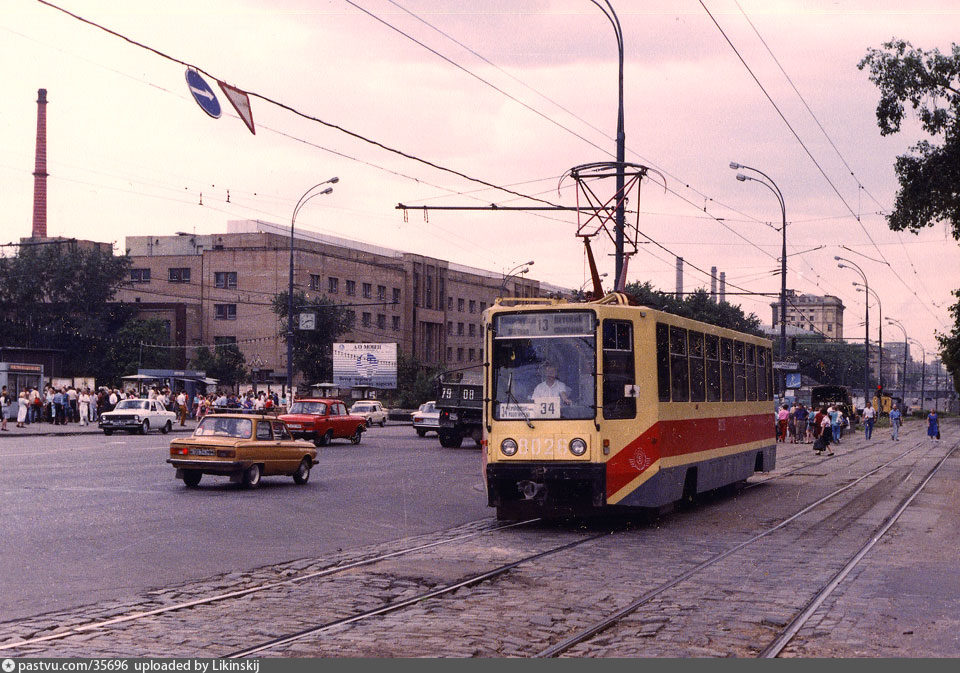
(699, 306)
(830, 362)
(416, 382)
(226, 363)
(313, 349)
(930, 82)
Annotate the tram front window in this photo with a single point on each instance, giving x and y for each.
(544, 366)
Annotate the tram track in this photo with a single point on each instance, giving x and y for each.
(277, 643)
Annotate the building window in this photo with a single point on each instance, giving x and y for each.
(459, 329)
(180, 275)
(225, 311)
(366, 320)
(381, 321)
(449, 303)
(396, 295)
(351, 288)
(449, 328)
(473, 306)
(483, 306)
(226, 280)
(382, 292)
(139, 275)
(473, 330)
(459, 355)
(396, 323)
(429, 292)
(314, 281)
(224, 340)
(460, 305)
(473, 354)
(449, 353)
(367, 290)
(829, 326)
(333, 285)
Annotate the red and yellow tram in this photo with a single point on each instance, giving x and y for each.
(590, 405)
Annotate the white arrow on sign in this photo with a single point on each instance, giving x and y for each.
(200, 92)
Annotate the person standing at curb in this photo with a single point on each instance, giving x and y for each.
(4, 401)
(896, 418)
(869, 416)
(24, 403)
(83, 406)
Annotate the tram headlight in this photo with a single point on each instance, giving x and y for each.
(578, 447)
(508, 447)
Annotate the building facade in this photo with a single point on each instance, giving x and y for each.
(219, 289)
(813, 313)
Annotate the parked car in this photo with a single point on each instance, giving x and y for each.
(426, 419)
(321, 420)
(244, 447)
(371, 410)
(137, 416)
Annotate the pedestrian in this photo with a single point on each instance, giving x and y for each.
(94, 405)
(182, 407)
(792, 424)
(72, 410)
(83, 406)
(933, 425)
(783, 417)
(896, 418)
(35, 412)
(48, 408)
(800, 416)
(59, 407)
(826, 434)
(869, 416)
(23, 401)
(4, 401)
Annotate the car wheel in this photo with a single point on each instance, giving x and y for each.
(383, 422)
(108, 432)
(368, 423)
(355, 437)
(421, 432)
(167, 427)
(326, 438)
(191, 478)
(450, 440)
(302, 475)
(145, 427)
(251, 478)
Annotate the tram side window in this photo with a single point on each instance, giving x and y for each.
(697, 367)
(761, 373)
(679, 370)
(739, 374)
(751, 372)
(618, 369)
(726, 369)
(769, 375)
(663, 362)
(713, 368)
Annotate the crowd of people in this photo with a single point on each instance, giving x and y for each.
(68, 404)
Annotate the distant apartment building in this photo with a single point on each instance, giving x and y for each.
(819, 314)
(219, 288)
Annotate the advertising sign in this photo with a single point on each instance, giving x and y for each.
(369, 364)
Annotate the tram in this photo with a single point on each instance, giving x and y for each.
(601, 405)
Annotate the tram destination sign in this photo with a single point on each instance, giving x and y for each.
(558, 323)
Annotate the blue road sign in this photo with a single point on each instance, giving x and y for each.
(203, 94)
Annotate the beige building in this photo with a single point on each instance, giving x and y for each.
(219, 288)
(823, 315)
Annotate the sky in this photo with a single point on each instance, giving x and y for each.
(512, 93)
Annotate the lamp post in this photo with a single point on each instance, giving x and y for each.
(923, 373)
(511, 273)
(772, 186)
(867, 291)
(903, 382)
(866, 337)
(307, 195)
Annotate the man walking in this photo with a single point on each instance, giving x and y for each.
(869, 415)
(896, 418)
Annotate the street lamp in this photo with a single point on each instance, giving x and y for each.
(866, 338)
(590, 280)
(923, 373)
(867, 291)
(772, 186)
(903, 382)
(307, 195)
(511, 273)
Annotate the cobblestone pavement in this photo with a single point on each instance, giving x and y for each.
(893, 605)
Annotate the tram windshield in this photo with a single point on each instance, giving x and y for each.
(544, 365)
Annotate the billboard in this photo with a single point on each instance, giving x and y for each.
(372, 365)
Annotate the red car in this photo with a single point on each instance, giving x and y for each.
(322, 420)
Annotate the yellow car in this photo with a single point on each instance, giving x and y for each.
(244, 447)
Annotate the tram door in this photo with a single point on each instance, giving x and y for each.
(619, 376)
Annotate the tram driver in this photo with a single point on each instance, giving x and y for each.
(551, 386)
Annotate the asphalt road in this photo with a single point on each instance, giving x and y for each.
(91, 518)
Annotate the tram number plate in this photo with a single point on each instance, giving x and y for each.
(543, 447)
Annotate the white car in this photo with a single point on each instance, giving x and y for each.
(426, 419)
(137, 416)
(371, 410)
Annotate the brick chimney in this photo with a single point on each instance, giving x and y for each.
(40, 172)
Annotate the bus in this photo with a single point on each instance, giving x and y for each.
(605, 405)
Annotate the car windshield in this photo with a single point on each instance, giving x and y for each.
(308, 408)
(543, 366)
(211, 426)
(133, 404)
(360, 407)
